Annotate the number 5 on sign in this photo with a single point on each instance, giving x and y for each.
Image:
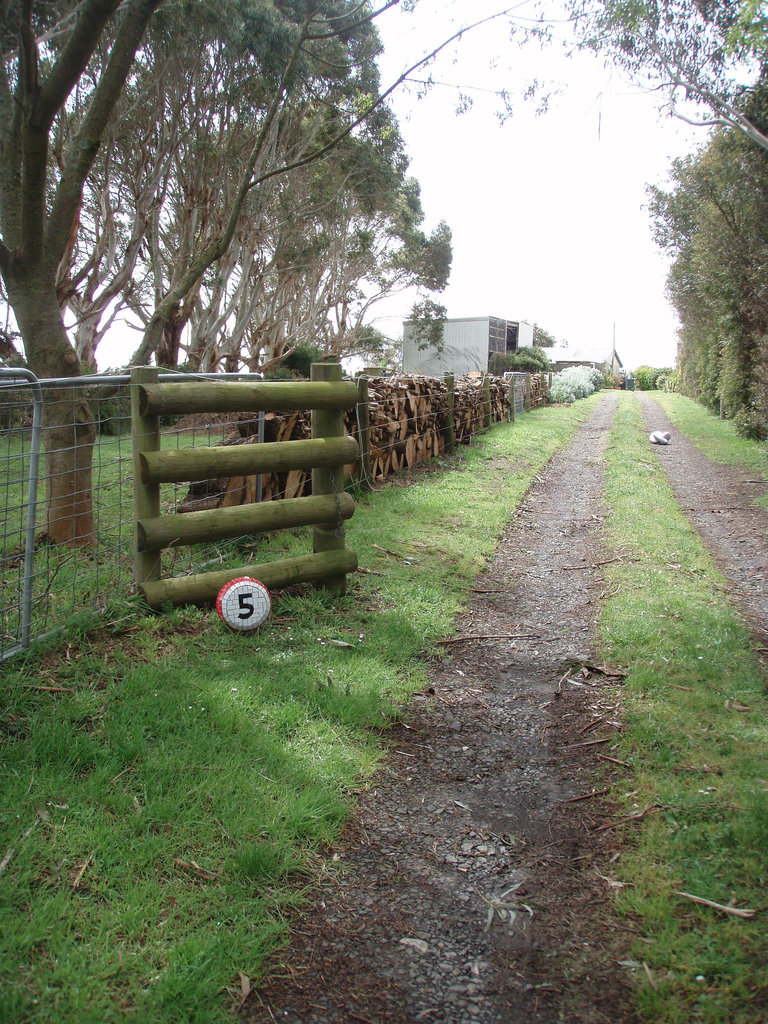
(243, 603)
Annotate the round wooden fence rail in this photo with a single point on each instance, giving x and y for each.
(323, 452)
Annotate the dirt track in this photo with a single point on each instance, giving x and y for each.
(472, 885)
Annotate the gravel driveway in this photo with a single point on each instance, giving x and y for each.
(474, 882)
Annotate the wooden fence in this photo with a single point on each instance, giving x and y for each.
(321, 456)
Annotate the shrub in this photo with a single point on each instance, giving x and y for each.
(669, 381)
(525, 360)
(646, 377)
(751, 423)
(574, 382)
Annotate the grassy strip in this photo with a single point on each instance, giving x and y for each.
(165, 788)
(696, 735)
(715, 437)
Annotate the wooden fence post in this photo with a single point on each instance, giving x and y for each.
(487, 412)
(448, 430)
(528, 393)
(146, 438)
(328, 423)
(511, 416)
(364, 432)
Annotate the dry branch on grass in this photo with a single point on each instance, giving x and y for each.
(742, 912)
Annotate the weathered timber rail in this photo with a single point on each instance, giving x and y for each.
(324, 455)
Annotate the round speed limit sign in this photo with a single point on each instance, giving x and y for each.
(243, 603)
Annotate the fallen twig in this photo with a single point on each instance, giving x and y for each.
(632, 817)
(614, 760)
(387, 551)
(81, 869)
(193, 867)
(733, 911)
(704, 769)
(593, 724)
(589, 743)
(49, 689)
(592, 565)
(604, 670)
(42, 815)
(651, 979)
(587, 796)
(490, 636)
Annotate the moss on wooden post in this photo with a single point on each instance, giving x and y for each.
(328, 423)
(449, 430)
(528, 393)
(145, 431)
(511, 415)
(241, 520)
(244, 396)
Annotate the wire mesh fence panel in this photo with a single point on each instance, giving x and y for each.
(19, 445)
(82, 515)
(519, 391)
(83, 512)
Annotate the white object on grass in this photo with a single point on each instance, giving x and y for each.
(243, 603)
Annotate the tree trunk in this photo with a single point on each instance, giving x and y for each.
(69, 430)
(167, 352)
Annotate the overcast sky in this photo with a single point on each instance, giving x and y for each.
(547, 212)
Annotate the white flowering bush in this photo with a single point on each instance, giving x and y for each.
(574, 382)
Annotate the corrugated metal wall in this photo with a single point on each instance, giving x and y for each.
(465, 349)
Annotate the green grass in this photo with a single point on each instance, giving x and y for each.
(696, 735)
(164, 799)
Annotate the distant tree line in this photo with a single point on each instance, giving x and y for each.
(713, 222)
(708, 63)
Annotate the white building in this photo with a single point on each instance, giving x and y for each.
(468, 344)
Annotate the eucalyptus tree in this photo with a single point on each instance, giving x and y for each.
(714, 224)
(703, 57)
(46, 49)
(65, 65)
(361, 241)
(337, 237)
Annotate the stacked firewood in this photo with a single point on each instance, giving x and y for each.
(407, 419)
(469, 410)
(538, 389)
